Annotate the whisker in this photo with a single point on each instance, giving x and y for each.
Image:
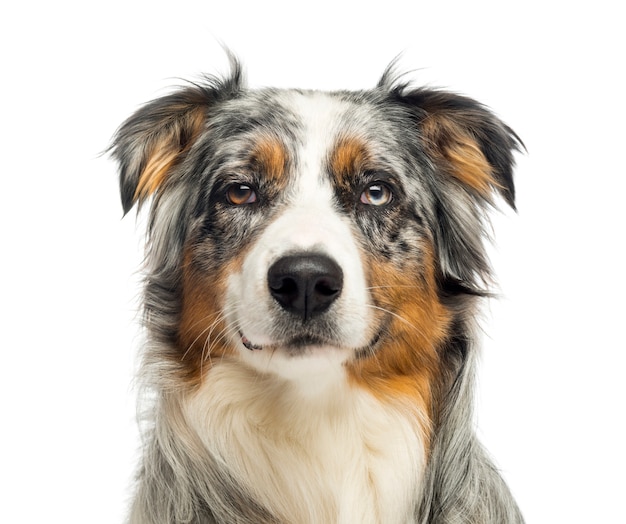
(393, 286)
(202, 320)
(212, 341)
(193, 342)
(395, 315)
(216, 318)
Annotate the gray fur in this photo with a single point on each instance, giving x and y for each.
(463, 485)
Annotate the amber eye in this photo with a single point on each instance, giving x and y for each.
(377, 194)
(241, 194)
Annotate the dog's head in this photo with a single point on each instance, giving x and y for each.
(314, 234)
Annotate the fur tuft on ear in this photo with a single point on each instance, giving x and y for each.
(153, 141)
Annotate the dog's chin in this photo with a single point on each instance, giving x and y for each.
(311, 365)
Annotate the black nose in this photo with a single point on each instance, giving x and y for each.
(305, 284)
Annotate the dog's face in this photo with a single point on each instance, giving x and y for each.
(305, 218)
(314, 234)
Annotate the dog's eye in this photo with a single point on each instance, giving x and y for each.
(241, 194)
(377, 194)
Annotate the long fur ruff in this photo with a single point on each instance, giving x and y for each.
(361, 411)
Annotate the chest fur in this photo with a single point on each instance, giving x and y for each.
(341, 456)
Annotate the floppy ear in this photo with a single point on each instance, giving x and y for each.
(156, 139)
(468, 142)
(471, 151)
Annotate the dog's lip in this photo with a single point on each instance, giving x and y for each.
(248, 344)
(359, 352)
(370, 348)
(292, 343)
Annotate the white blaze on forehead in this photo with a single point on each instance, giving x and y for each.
(311, 208)
(310, 222)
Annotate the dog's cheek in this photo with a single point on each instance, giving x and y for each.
(224, 233)
(379, 234)
(203, 334)
(407, 363)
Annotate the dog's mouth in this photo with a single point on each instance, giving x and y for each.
(303, 344)
(292, 345)
(249, 345)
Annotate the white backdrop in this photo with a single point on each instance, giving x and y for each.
(551, 397)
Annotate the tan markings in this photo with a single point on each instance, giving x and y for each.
(459, 152)
(349, 157)
(152, 177)
(407, 363)
(166, 149)
(202, 333)
(270, 157)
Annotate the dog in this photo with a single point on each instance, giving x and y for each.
(314, 267)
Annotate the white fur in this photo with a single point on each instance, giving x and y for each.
(338, 457)
(308, 224)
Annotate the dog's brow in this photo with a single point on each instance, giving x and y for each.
(349, 156)
(270, 156)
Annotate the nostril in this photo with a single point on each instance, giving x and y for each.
(327, 287)
(305, 284)
(284, 286)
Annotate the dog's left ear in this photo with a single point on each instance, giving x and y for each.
(467, 142)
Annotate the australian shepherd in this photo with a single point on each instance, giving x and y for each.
(314, 265)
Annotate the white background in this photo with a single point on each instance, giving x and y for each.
(551, 397)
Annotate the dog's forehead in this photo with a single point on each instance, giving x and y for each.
(309, 130)
(323, 114)
(328, 128)
(301, 118)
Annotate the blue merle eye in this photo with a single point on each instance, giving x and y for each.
(376, 194)
(241, 194)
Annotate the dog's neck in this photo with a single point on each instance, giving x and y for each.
(338, 455)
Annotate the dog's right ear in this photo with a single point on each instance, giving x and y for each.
(153, 141)
(156, 139)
